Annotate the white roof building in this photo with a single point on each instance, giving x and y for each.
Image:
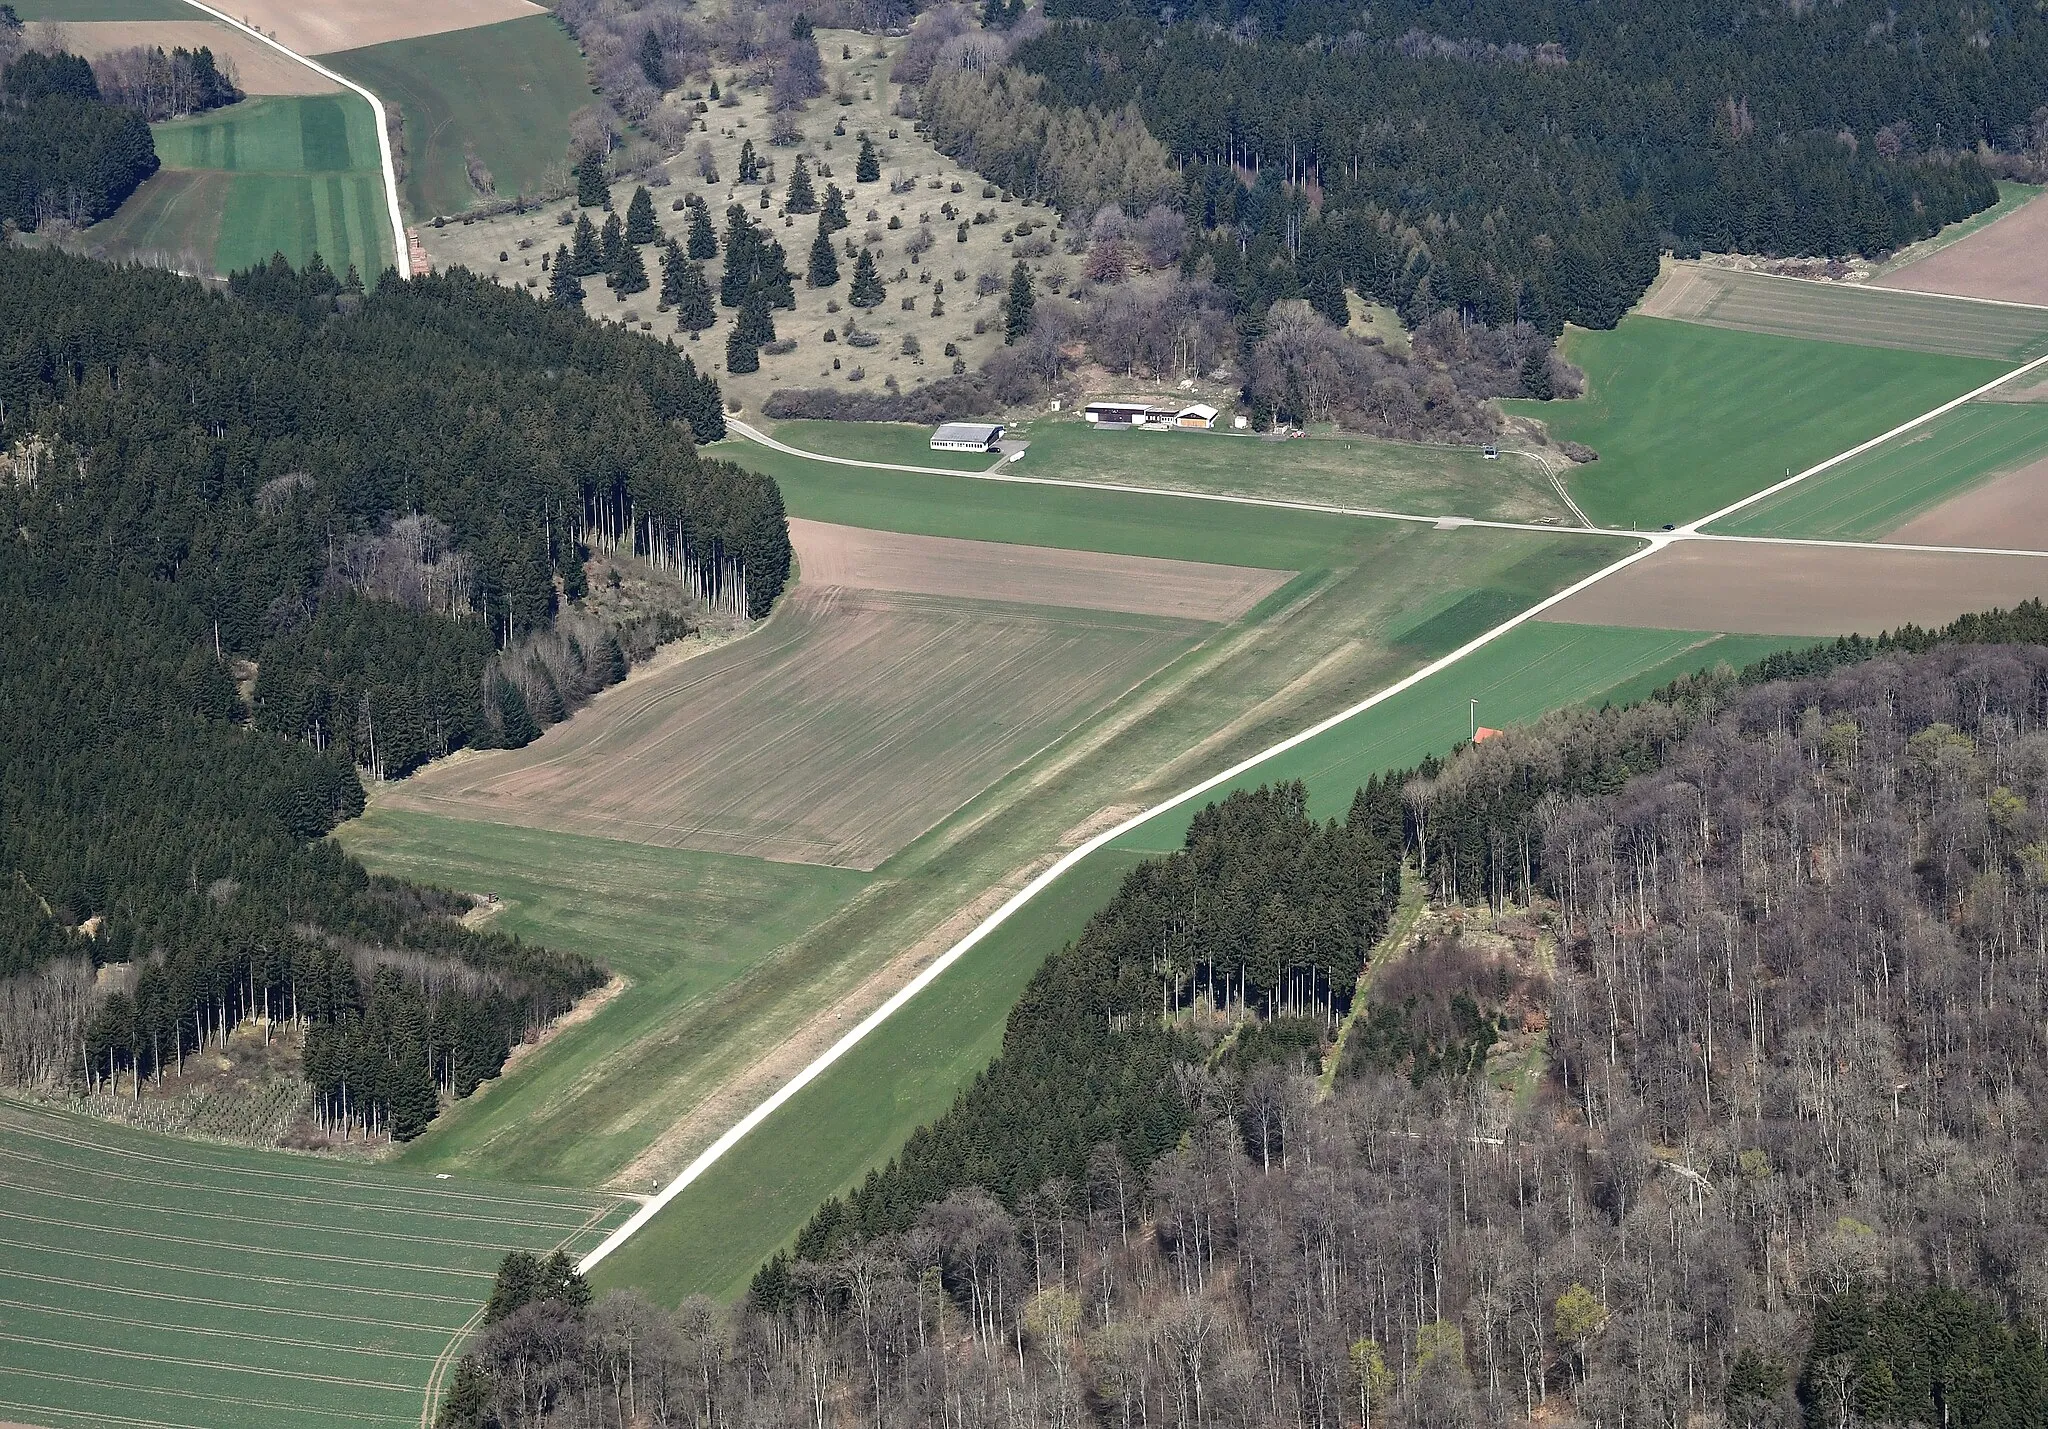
(967, 437)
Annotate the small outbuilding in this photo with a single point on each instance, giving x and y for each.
(967, 437)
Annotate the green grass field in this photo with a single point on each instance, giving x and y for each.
(290, 175)
(682, 926)
(1840, 312)
(1886, 487)
(711, 1238)
(503, 91)
(147, 1280)
(1688, 418)
(1336, 471)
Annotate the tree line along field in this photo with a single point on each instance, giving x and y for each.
(501, 92)
(1333, 470)
(146, 1280)
(290, 174)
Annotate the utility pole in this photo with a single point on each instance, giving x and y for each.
(1475, 719)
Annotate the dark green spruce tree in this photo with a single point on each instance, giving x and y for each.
(640, 224)
(832, 217)
(867, 290)
(628, 273)
(801, 197)
(750, 166)
(611, 240)
(564, 291)
(692, 303)
(586, 254)
(1017, 307)
(703, 242)
(868, 167)
(824, 267)
(591, 190)
(653, 63)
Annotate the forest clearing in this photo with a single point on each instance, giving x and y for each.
(1716, 296)
(156, 1280)
(2000, 261)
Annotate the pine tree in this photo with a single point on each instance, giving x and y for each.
(703, 242)
(1536, 380)
(628, 272)
(824, 269)
(750, 167)
(353, 283)
(587, 258)
(868, 167)
(832, 217)
(756, 322)
(692, 302)
(1325, 293)
(867, 290)
(772, 276)
(653, 63)
(801, 198)
(741, 356)
(590, 185)
(611, 240)
(563, 289)
(1018, 305)
(640, 224)
(714, 91)
(672, 265)
(742, 256)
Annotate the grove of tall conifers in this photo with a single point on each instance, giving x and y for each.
(374, 505)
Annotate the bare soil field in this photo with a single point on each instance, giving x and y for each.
(1840, 312)
(258, 69)
(839, 732)
(352, 24)
(859, 559)
(2002, 260)
(1762, 589)
(2010, 510)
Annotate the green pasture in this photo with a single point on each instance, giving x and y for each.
(504, 92)
(145, 1279)
(296, 175)
(682, 926)
(1884, 488)
(1326, 470)
(1873, 317)
(1687, 418)
(855, 1115)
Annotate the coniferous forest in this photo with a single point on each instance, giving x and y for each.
(1529, 161)
(1610, 1138)
(264, 544)
(64, 151)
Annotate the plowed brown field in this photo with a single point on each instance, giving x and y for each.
(258, 68)
(1761, 589)
(2002, 260)
(352, 24)
(2010, 511)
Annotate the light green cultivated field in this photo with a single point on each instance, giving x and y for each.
(504, 92)
(1886, 487)
(147, 1280)
(1689, 418)
(1356, 472)
(296, 175)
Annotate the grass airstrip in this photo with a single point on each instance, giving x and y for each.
(146, 1280)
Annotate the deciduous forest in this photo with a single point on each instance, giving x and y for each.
(263, 544)
(1692, 1078)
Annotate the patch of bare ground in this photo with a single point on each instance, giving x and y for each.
(1790, 589)
(257, 68)
(2002, 260)
(859, 559)
(738, 1094)
(848, 725)
(2009, 511)
(352, 24)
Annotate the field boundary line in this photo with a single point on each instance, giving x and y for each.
(1275, 503)
(9, 1273)
(355, 1260)
(401, 254)
(134, 1324)
(1876, 545)
(237, 1401)
(1651, 543)
(1691, 529)
(238, 1275)
(120, 1354)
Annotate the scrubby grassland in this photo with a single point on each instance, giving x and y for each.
(145, 1280)
(862, 81)
(1840, 312)
(1327, 470)
(1888, 486)
(1688, 418)
(290, 174)
(681, 926)
(503, 92)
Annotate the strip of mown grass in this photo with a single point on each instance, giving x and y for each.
(1688, 419)
(502, 92)
(147, 1279)
(681, 926)
(1871, 317)
(855, 1115)
(1886, 487)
